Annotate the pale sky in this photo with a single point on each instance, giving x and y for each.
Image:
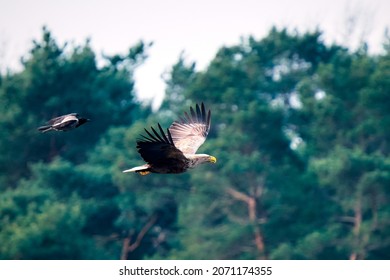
(197, 27)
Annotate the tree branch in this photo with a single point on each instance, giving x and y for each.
(251, 203)
(128, 247)
(239, 195)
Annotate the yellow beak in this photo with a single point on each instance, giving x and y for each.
(213, 159)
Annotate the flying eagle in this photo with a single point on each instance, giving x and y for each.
(64, 123)
(174, 152)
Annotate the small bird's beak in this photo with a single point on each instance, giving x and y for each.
(213, 159)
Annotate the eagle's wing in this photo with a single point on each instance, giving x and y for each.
(159, 149)
(190, 132)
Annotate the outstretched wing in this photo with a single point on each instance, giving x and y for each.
(190, 132)
(66, 123)
(72, 116)
(159, 149)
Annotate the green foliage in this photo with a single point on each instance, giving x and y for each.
(299, 128)
(309, 204)
(57, 81)
(36, 224)
(58, 204)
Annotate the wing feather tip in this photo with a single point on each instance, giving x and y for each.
(163, 134)
(157, 135)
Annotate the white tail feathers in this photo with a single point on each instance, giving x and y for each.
(137, 169)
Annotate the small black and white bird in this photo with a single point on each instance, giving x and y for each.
(64, 123)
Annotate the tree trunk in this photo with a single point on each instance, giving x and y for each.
(357, 230)
(251, 203)
(128, 247)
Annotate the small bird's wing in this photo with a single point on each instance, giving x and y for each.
(67, 122)
(190, 132)
(59, 119)
(159, 149)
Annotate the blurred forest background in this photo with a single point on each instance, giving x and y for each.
(300, 129)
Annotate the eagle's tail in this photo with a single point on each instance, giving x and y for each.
(45, 128)
(143, 169)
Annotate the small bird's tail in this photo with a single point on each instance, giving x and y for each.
(143, 169)
(45, 128)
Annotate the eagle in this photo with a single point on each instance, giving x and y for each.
(64, 123)
(175, 150)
